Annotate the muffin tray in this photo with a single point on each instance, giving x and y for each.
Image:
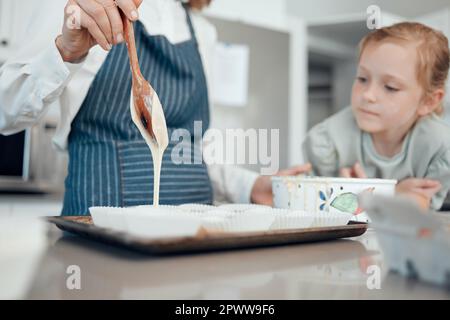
(203, 241)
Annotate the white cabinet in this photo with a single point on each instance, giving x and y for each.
(12, 26)
(269, 14)
(277, 84)
(278, 69)
(439, 20)
(6, 30)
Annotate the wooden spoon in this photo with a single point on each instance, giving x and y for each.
(143, 92)
(146, 109)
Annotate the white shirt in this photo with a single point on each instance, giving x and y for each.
(37, 79)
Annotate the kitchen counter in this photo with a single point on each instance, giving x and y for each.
(328, 270)
(30, 205)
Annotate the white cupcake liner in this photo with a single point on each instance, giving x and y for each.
(109, 217)
(220, 213)
(99, 216)
(196, 208)
(325, 219)
(212, 223)
(151, 208)
(291, 219)
(163, 225)
(223, 221)
(242, 207)
(128, 219)
(173, 221)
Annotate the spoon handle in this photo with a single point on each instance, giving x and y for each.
(131, 46)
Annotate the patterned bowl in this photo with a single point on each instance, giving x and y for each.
(323, 194)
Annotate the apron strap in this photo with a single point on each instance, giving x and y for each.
(189, 21)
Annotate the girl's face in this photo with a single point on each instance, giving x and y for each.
(386, 93)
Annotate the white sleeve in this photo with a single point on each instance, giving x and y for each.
(35, 75)
(29, 86)
(231, 183)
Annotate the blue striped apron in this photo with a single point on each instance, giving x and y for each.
(109, 162)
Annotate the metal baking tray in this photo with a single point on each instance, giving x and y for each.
(204, 242)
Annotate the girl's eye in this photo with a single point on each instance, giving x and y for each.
(362, 79)
(391, 89)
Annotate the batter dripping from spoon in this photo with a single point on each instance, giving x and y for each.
(146, 111)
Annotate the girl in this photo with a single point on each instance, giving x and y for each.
(392, 129)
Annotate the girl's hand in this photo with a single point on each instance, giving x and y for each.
(421, 190)
(356, 171)
(262, 189)
(91, 22)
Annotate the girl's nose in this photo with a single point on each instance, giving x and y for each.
(370, 94)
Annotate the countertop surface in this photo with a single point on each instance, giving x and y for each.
(327, 270)
(30, 205)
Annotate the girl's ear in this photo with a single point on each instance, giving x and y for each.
(431, 102)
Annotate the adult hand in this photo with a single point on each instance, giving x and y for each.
(91, 22)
